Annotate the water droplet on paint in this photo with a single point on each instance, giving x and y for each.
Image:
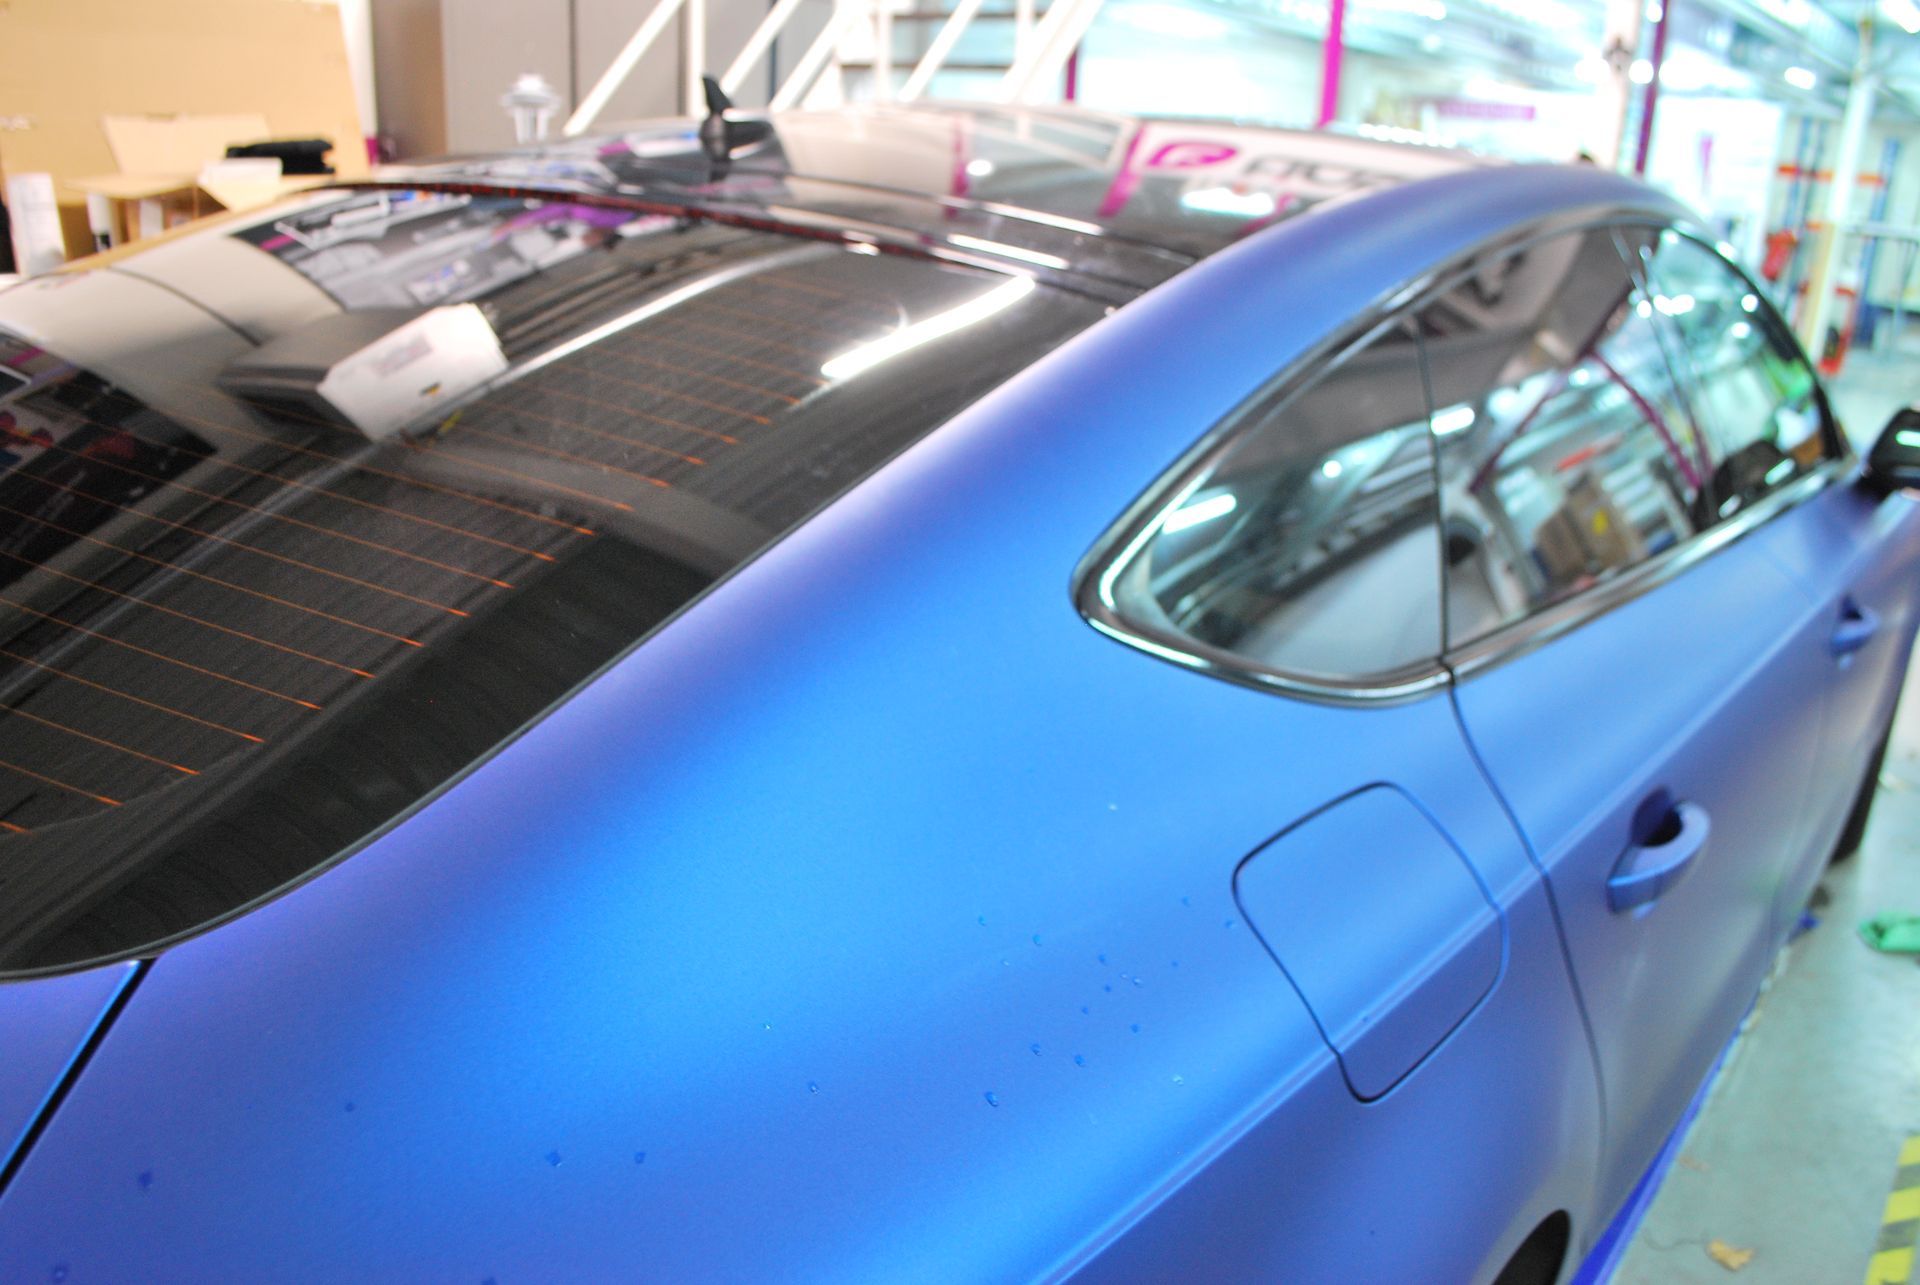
(1227, 924)
(983, 921)
(993, 1099)
(553, 1158)
(1136, 981)
(145, 1180)
(639, 1157)
(1108, 988)
(1179, 1079)
(1079, 1059)
(813, 1086)
(1135, 1028)
(347, 1106)
(1186, 901)
(1034, 1049)
(1102, 957)
(1084, 1010)
(59, 1272)
(1036, 939)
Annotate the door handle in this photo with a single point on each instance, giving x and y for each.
(1647, 870)
(1856, 628)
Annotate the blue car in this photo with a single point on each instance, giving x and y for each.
(909, 694)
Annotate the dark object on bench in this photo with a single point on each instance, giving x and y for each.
(297, 155)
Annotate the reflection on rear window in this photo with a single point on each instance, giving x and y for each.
(253, 608)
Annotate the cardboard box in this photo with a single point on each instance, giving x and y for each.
(173, 170)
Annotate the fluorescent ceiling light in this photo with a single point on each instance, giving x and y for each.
(979, 167)
(1903, 12)
(1453, 419)
(1019, 252)
(1800, 78)
(1641, 72)
(998, 299)
(1224, 200)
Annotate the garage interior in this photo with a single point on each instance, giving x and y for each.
(1791, 126)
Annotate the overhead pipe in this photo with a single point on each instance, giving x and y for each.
(693, 57)
(1651, 98)
(1332, 53)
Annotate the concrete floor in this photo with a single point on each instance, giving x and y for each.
(1794, 1154)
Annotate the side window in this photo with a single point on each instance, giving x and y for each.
(1565, 452)
(1308, 545)
(1755, 393)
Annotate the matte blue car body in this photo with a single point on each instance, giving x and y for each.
(876, 919)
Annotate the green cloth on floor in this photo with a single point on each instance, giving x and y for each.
(1895, 933)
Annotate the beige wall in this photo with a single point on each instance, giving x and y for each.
(409, 76)
(486, 46)
(442, 65)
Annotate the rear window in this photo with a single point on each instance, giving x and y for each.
(258, 599)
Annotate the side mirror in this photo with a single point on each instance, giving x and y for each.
(1894, 461)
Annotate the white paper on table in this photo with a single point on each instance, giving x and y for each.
(407, 373)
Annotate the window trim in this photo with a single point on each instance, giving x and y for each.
(1091, 584)
(1094, 578)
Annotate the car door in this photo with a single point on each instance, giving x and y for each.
(1778, 451)
(1624, 667)
(1301, 555)
(1859, 557)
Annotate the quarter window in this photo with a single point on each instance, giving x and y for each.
(1564, 451)
(1309, 546)
(1756, 395)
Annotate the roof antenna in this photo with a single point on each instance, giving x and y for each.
(719, 136)
(716, 138)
